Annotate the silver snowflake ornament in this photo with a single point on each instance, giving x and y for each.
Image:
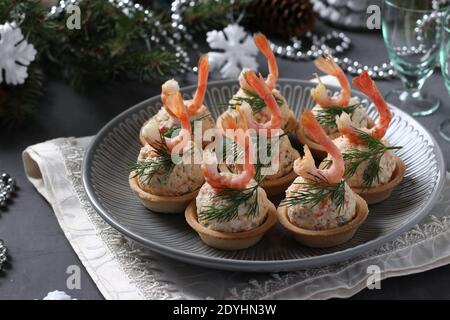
(15, 55)
(237, 51)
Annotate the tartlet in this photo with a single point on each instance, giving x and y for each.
(230, 240)
(380, 193)
(158, 203)
(328, 237)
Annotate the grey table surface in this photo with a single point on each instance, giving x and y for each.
(39, 252)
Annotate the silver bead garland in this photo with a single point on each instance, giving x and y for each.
(3, 253)
(7, 189)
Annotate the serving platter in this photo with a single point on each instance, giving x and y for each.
(117, 145)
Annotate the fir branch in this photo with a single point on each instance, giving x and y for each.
(18, 103)
(212, 14)
(160, 164)
(316, 190)
(327, 116)
(234, 198)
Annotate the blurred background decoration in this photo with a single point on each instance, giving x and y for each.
(146, 40)
(350, 14)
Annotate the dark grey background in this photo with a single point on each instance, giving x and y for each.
(39, 251)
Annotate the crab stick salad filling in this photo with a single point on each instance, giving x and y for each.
(319, 199)
(156, 170)
(247, 94)
(369, 159)
(231, 202)
(166, 121)
(327, 108)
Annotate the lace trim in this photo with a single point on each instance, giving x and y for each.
(277, 282)
(142, 271)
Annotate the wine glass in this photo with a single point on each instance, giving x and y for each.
(444, 58)
(411, 32)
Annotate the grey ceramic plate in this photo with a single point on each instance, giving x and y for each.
(116, 146)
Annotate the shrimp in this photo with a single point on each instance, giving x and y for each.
(171, 86)
(264, 46)
(218, 180)
(168, 88)
(199, 95)
(305, 167)
(264, 92)
(367, 86)
(174, 105)
(326, 64)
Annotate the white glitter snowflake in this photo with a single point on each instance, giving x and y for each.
(238, 51)
(15, 55)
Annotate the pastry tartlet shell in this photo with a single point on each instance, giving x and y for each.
(329, 237)
(161, 204)
(230, 240)
(380, 193)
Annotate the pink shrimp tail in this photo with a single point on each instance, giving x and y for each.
(326, 64)
(366, 85)
(264, 46)
(199, 96)
(175, 105)
(263, 91)
(335, 173)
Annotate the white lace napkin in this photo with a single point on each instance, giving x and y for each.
(122, 270)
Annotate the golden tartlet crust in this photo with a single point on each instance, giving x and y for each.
(380, 193)
(230, 240)
(329, 237)
(161, 204)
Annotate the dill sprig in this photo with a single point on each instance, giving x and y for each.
(255, 102)
(354, 158)
(234, 198)
(316, 190)
(161, 163)
(231, 148)
(169, 132)
(327, 116)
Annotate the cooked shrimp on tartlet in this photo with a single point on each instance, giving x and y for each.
(320, 209)
(166, 177)
(166, 121)
(231, 211)
(372, 168)
(283, 157)
(247, 95)
(328, 107)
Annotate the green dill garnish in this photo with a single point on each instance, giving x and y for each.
(354, 158)
(232, 151)
(161, 163)
(316, 190)
(234, 198)
(169, 132)
(327, 116)
(255, 102)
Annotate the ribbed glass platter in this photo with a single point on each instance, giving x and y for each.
(117, 145)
